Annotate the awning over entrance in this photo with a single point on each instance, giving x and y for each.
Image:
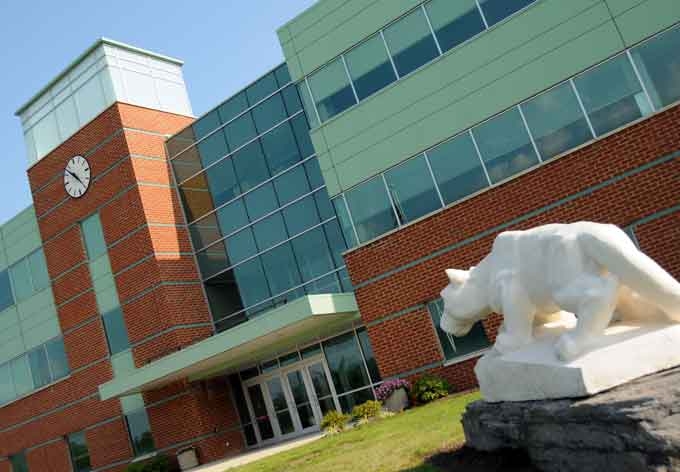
(274, 332)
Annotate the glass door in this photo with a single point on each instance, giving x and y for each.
(280, 406)
(300, 392)
(323, 390)
(260, 412)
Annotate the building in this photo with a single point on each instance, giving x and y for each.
(222, 282)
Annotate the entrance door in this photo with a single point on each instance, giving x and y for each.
(302, 395)
(260, 412)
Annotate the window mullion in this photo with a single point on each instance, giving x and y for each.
(481, 12)
(479, 155)
(389, 54)
(639, 78)
(349, 78)
(531, 136)
(583, 108)
(429, 24)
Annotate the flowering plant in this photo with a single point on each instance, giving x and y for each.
(386, 389)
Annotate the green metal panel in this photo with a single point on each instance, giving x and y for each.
(122, 363)
(20, 235)
(107, 299)
(10, 349)
(646, 18)
(41, 333)
(131, 403)
(3, 255)
(40, 303)
(100, 267)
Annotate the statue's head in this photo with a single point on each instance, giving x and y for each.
(464, 302)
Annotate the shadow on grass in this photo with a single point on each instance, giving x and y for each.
(464, 459)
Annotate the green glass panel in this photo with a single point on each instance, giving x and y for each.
(6, 297)
(250, 165)
(269, 113)
(291, 185)
(39, 274)
(371, 209)
(140, 432)
(56, 356)
(21, 375)
(308, 104)
(658, 62)
(233, 107)
(370, 67)
(331, 89)
(262, 88)
(116, 333)
(412, 189)
(410, 42)
(40, 369)
(7, 392)
(93, 235)
(498, 10)
(21, 279)
(454, 22)
(232, 217)
(345, 363)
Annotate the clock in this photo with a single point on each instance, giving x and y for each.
(77, 176)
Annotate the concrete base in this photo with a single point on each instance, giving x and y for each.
(623, 353)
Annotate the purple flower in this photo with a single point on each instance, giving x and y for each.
(386, 389)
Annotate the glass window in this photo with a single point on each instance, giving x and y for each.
(19, 463)
(336, 241)
(241, 246)
(327, 284)
(345, 363)
(457, 168)
(281, 269)
(39, 274)
(7, 393)
(251, 281)
(454, 346)
(269, 113)
(331, 89)
(366, 348)
(6, 297)
(323, 204)
(454, 22)
(222, 181)
(205, 231)
(187, 164)
(556, 121)
(262, 88)
(282, 75)
(232, 217)
(196, 198)
(369, 67)
(180, 141)
(349, 401)
(301, 130)
(505, 145)
(308, 104)
(261, 201)
(21, 375)
(280, 148)
(410, 42)
(658, 62)
(93, 235)
(21, 279)
(345, 223)
(56, 356)
(314, 173)
(223, 295)
(240, 131)
(291, 99)
(313, 254)
(140, 432)
(40, 369)
(612, 95)
(250, 165)
(270, 231)
(497, 10)
(206, 125)
(301, 215)
(233, 107)
(291, 185)
(412, 189)
(80, 455)
(213, 259)
(371, 209)
(213, 148)
(116, 334)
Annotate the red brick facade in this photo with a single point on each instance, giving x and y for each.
(621, 179)
(159, 290)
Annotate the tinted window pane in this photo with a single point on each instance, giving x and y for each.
(457, 168)
(41, 278)
(251, 168)
(7, 393)
(331, 90)
(205, 231)
(369, 66)
(206, 125)
(56, 356)
(223, 295)
(314, 173)
(301, 215)
(371, 209)
(308, 104)
(222, 182)
(291, 99)
(454, 346)
(282, 75)
(39, 367)
(240, 131)
(21, 375)
(269, 231)
(116, 334)
(345, 223)
(291, 185)
(269, 112)
(345, 363)
(368, 355)
(21, 279)
(213, 259)
(658, 62)
(196, 197)
(301, 131)
(410, 42)
(327, 284)
(313, 254)
(80, 456)
(93, 235)
(349, 401)
(187, 164)
(280, 268)
(6, 297)
(180, 141)
(497, 10)
(336, 241)
(261, 201)
(251, 282)
(140, 432)
(241, 246)
(556, 121)
(213, 148)
(505, 145)
(19, 463)
(260, 89)
(412, 189)
(454, 22)
(323, 204)
(280, 148)
(232, 217)
(612, 95)
(233, 107)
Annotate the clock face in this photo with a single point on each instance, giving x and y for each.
(77, 176)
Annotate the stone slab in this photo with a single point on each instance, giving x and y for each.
(625, 352)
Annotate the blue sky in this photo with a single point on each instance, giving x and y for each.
(225, 44)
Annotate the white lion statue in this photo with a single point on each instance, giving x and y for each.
(592, 270)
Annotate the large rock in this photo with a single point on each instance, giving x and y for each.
(633, 427)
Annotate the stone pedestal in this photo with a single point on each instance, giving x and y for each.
(633, 427)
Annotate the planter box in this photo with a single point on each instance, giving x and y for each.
(397, 401)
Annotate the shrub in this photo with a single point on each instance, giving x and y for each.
(157, 464)
(334, 421)
(386, 389)
(368, 409)
(429, 387)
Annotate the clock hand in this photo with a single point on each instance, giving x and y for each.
(75, 176)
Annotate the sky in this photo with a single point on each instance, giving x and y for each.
(225, 45)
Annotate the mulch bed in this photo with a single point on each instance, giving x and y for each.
(465, 459)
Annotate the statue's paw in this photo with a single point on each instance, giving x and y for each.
(566, 348)
(506, 343)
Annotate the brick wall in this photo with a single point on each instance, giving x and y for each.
(646, 191)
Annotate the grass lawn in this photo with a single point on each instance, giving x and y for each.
(399, 443)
